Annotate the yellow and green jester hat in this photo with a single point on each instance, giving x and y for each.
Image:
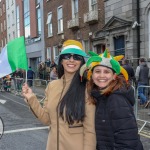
(104, 59)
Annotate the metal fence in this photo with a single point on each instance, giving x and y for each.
(142, 110)
(38, 86)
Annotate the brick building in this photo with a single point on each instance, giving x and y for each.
(3, 25)
(30, 24)
(71, 19)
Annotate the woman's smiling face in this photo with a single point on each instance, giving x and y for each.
(71, 65)
(102, 76)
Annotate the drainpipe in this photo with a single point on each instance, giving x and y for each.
(138, 29)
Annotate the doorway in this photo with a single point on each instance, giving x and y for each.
(119, 45)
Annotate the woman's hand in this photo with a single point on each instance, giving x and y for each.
(26, 91)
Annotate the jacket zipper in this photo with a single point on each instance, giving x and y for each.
(64, 83)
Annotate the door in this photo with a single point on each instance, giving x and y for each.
(100, 48)
(119, 45)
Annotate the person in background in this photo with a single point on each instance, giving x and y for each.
(53, 73)
(67, 109)
(142, 75)
(129, 69)
(8, 83)
(30, 76)
(17, 78)
(52, 64)
(1, 85)
(115, 123)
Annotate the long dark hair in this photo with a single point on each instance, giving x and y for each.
(72, 105)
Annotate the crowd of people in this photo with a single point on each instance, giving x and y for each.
(5, 83)
(88, 105)
(15, 80)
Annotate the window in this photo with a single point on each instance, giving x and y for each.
(49, 23)
(8, 21)
(60, 19)
(49, 53)
(13, 34)
(86, 45)
(93, 5)
(9, 37)
(56, 51)
(38, 11)
(2, 44)
(75, 8)
(13, 18)
(26, 18)
(38, 1)
(5, 41)
(1, 27)
(0, 11)
(18, 21)
(3, 7)
(4, 25)
(7, 4)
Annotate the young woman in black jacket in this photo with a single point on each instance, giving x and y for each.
(115, 123)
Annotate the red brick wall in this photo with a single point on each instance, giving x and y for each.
(33, 21)
(84, 28)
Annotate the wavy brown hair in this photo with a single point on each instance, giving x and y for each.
(114, 85)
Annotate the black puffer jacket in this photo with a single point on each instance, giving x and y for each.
(115, 123)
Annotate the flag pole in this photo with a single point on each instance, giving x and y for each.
(26, 77)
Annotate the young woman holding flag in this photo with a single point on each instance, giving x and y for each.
(67, 109)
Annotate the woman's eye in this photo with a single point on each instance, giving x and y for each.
(97, 71)
(106, 71)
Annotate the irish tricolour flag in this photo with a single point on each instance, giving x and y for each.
(13, 56)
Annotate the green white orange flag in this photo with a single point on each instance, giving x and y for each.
(13, 57)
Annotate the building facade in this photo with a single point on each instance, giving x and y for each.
(30, 24)
(121, 26)
(144, 17)
(127, 28)
(117, 32)
(3, 24)
(71, 19)
(11, 20)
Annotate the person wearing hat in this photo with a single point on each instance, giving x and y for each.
(115, 123)
(67, 109)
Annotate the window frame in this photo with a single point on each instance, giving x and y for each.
(49, 53)
(55, 51)
(60, 20)
(75, 13)
(93, 6)
(49, 24)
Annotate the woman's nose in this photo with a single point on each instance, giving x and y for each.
(101, 74)
(71, 58)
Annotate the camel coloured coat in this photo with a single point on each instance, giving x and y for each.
(79, 136)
